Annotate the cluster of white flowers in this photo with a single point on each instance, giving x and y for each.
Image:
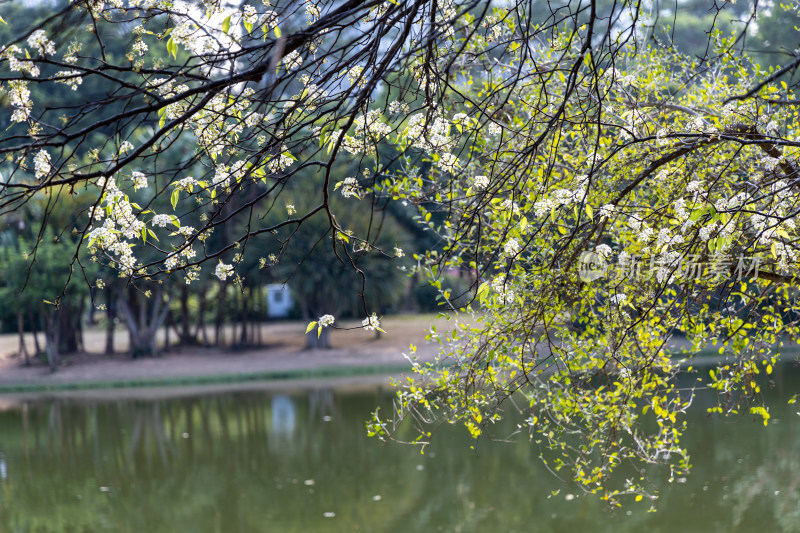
(369, 129)
(603, 250)
(161, 220)
(121, 223)
(511, 247)
(139, 180)
(249, 15)
(38, 41)
(618, 299)
(499, 286)
(634, 223)
(20, 99)
(430, 135)
(558, 197)
(447, 162)
(70, 78)
(290, 210)
(253, 119)
(223, 271)
(171, 262)
(696, 124)
(480, 182)
(680, 208)
(396, 106)
(608, 210)
(293, 60)
(125, 147)
(140, 47)
(314, 95)
(769, 163)
(668, 266)
(661, 137)
(312, 12)
(221, 176)
(665, 238)
(186, 184)
(280, 163)
(193, 38)
(371, 323)
(509, 205)
(326, 320)
(398, 252)
(41, 164)
(350, 188)
(26, 66)
(645, 233)
(706, 232)
(354, 75)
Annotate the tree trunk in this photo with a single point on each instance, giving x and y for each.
(34, 331)
(200, 329)
(167, 325)
(144, 324)
(68, 322)
(51, 331)
(243, 339)
(323, 342)
(23, 350)
(220, 314)
(110, 316)
(186, 335)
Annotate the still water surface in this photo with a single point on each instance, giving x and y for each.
(261, 461)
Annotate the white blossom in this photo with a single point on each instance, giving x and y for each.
(139, 180)
(293, 60)
(223, 271)
(38, 41)
(161, 220)
(511, 247)
(603, 250)
(371, 323)
(125, 147)
(326, 320)
(607, 210)
(41, 162)
(350, 188)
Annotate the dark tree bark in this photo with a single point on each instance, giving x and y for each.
(144, 316)
(111, 314)
(23, 350)
(34, 330)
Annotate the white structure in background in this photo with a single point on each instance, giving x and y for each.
(279, 301)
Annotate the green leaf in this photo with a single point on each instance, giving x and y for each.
(226, 24)
(249, 27)
(174, 198)
(483, 291)
(277, 31)
(3, 21)
(310, 326)
(172, 47)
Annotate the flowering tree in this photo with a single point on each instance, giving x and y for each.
(606, 193)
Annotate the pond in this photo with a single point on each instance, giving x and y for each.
(299, 460)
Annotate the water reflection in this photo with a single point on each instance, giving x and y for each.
(255, 461)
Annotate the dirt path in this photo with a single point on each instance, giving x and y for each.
(355, 349)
